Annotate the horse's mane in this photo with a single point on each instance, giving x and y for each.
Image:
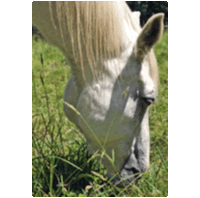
(95, 27)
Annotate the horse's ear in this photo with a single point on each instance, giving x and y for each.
(150, 34)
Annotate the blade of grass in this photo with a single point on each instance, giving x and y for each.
(161, 157)
(47, 101)
(51, 175)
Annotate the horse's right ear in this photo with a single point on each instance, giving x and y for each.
(150, 34)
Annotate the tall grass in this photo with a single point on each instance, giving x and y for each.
(62, 165)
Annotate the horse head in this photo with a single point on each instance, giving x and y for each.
(115, 107)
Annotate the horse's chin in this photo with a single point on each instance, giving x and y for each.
(130, 172)
(127, 178)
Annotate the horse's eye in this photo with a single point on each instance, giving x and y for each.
(148, 100)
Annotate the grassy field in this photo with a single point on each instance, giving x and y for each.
(61, 165)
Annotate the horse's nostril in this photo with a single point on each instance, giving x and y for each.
(149, 100)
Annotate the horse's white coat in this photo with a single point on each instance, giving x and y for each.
(118, 120)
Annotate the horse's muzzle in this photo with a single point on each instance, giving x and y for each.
(129, 173)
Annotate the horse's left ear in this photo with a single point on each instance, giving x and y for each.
(149, 36)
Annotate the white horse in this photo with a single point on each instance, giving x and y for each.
(114, 76)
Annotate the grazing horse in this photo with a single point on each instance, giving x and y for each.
(114, 76)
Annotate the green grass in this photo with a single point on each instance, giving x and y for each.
(61, 164)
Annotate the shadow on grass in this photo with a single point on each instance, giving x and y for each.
(60, 174)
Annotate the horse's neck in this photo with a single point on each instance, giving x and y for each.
(82, 72)
(107, 68)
